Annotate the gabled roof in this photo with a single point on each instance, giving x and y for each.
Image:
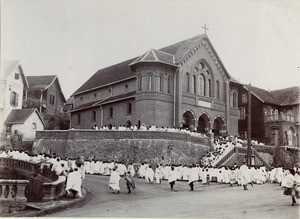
(41, 82)
(19, 116)
(263, 95)
(107, 75)
(122, 70)
(154, 55)
(9, 67)
(104, 101)
(180, 49)
(287, 96)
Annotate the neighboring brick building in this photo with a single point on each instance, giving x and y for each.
(182, 85)
(44, 93)
(274, 115)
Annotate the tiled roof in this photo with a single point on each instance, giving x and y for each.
(104, 101)
(118, 97)
(122, 70)
(287, 96)
(178, 50)
(18, 116)
(85, 105)
(108, 75)
(40, 82)
(264, 95)
(154, 55)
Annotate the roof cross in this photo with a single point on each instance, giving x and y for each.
(205, 28)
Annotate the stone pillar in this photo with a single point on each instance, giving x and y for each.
(211, 140)
(13, 195)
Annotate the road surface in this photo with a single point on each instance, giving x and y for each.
(157, 200)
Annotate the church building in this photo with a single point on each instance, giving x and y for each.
(184, 85)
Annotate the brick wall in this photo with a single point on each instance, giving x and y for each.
(139, 146)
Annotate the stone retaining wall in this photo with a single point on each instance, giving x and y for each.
(127, 146)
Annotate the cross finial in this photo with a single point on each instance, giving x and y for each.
(205, 28)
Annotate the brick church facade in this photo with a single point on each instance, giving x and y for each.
(182, 85)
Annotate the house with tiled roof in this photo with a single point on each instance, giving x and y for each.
(183, 85)
(274, 115)
(24, 123)
(45, 94)
(13, 81)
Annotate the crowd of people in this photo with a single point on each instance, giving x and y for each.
(75, 170)
(222, 145)
(152, 127)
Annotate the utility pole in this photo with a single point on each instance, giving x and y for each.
(249, 151)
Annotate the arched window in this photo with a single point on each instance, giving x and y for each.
(129, 107)
(218, 90)
(234, 99)
(169, 85)
(187, 82)
(209, 87)
(140, 83)
(194, 84)
(94, 115)
(159, 84)
(78, 118)
(150, 83)
(202, 85)
(110, 112)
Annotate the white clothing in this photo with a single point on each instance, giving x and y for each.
(114, 180)
(245, 174)
(74, 182)
(193, 175)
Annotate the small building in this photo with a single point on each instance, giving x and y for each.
(44, 93)
(23, 123)
(13, 81)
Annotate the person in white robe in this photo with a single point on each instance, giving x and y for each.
(74, 182)
(97, 167)
(149, 174)
(193, 176)
(185, 173)
(158, 174)
(114, 180)
(121, 168)
(289, 183)
(172, 178)
(131, 169)
(232, 176)
(166, 172)
(245, 175)
(102, 167)
(142, 171)
(92, 167)
(203, 176)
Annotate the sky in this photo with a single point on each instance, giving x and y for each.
(257, 41)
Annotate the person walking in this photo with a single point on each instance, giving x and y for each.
(172, 177)
(193, 176)
(114, 180)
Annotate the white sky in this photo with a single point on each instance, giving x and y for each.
(257, 41)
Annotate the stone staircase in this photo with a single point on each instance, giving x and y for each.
(239, 151)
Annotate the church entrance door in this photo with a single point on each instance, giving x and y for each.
(188, 120)
(203, 124)
(219, 127)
